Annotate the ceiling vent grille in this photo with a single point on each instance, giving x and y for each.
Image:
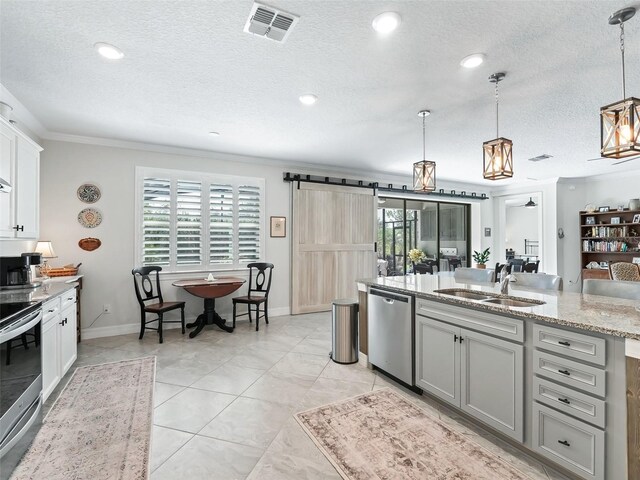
(539, 158)
(270, 22)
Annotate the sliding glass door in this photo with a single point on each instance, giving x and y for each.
(439, 229)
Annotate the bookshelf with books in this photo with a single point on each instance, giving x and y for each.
(608, 237)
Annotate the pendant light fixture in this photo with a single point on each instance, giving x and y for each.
(619, 122)
(497, 153)
(424, 172)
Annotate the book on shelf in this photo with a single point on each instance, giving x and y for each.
(608, 232)
(604, 246)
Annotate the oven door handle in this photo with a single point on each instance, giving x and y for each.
(20, 326)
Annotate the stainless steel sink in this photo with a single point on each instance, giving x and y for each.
(510, 302)
(456, 292)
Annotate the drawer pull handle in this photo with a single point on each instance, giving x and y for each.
(51, 311)
(564, 372)
(455, 338)
(564, 442)
(566, 344)
(564, 400)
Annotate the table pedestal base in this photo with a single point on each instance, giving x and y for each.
(208, 317)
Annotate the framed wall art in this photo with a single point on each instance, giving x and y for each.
(278, 227)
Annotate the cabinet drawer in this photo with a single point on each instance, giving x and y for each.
(576, 345)
(492, 324)
(569, 442)
(574, 374)
(50, 309)
(574, 403)
(68, 298)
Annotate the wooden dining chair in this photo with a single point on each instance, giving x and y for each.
(498, 269)
(146, 291)
(531, 267)
(258, 294)
(624, 271)
(422, 268)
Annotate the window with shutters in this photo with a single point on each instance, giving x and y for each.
(198, 221)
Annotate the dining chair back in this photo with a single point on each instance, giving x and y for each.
(423, 268)
(539, 281)
(611, 288)
(454, 263)
(498, 269)
(516, 264)
(260, 274)
(531, 267)
(473, 275)
(625, 271)
(149, 295)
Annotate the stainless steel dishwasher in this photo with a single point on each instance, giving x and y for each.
(391, 334)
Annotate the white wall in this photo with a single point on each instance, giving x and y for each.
(520, 224)
(107, 270)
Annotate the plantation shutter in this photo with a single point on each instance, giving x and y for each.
(192, 221)
(249, 220)
(156, 214)
(188, 223)
(221, 224)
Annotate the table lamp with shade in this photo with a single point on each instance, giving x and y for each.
(45, 249)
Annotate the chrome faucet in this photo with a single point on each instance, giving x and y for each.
(505, 278)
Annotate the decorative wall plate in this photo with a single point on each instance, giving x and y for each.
(90, 218)
(89, 193)
(89, 244)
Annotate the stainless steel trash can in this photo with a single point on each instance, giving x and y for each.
(344, 331)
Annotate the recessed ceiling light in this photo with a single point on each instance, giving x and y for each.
(109, 51)
(472, 61)
(308, 99)
(214, 134)
(386, 22)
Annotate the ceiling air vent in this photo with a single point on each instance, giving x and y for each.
(270, 22)
(539, 158)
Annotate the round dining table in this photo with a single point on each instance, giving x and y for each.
(209, 290)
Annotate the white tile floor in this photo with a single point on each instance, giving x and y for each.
(225, 402)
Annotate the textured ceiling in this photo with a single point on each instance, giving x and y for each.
(189, 69)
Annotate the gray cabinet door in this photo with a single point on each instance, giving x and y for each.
(438, 359)
(492, 373)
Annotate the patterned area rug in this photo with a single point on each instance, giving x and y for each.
(381, 435)
(99, 427)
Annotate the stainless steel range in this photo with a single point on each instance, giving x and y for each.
(20, 380)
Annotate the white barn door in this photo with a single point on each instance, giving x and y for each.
(333, 235)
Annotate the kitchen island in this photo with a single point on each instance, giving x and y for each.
(558, 374)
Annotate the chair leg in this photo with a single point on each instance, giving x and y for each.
(234, 314)
(142, 325)
(257, 316)
(249, 309)
(266, 311)
(160, 326)
(182, 319)
(25, 344)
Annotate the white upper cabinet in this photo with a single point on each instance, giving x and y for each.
(20, 167)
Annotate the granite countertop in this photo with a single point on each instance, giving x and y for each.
(595, 313)
(46, 291)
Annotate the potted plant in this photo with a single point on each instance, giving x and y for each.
(415, 255)
(481, 258)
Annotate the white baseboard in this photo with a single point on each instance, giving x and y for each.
(112, 331)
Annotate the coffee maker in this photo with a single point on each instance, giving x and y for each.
(15, 272)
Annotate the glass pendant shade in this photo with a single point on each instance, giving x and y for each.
(424, 176)
(498, 159)
(620, 129)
